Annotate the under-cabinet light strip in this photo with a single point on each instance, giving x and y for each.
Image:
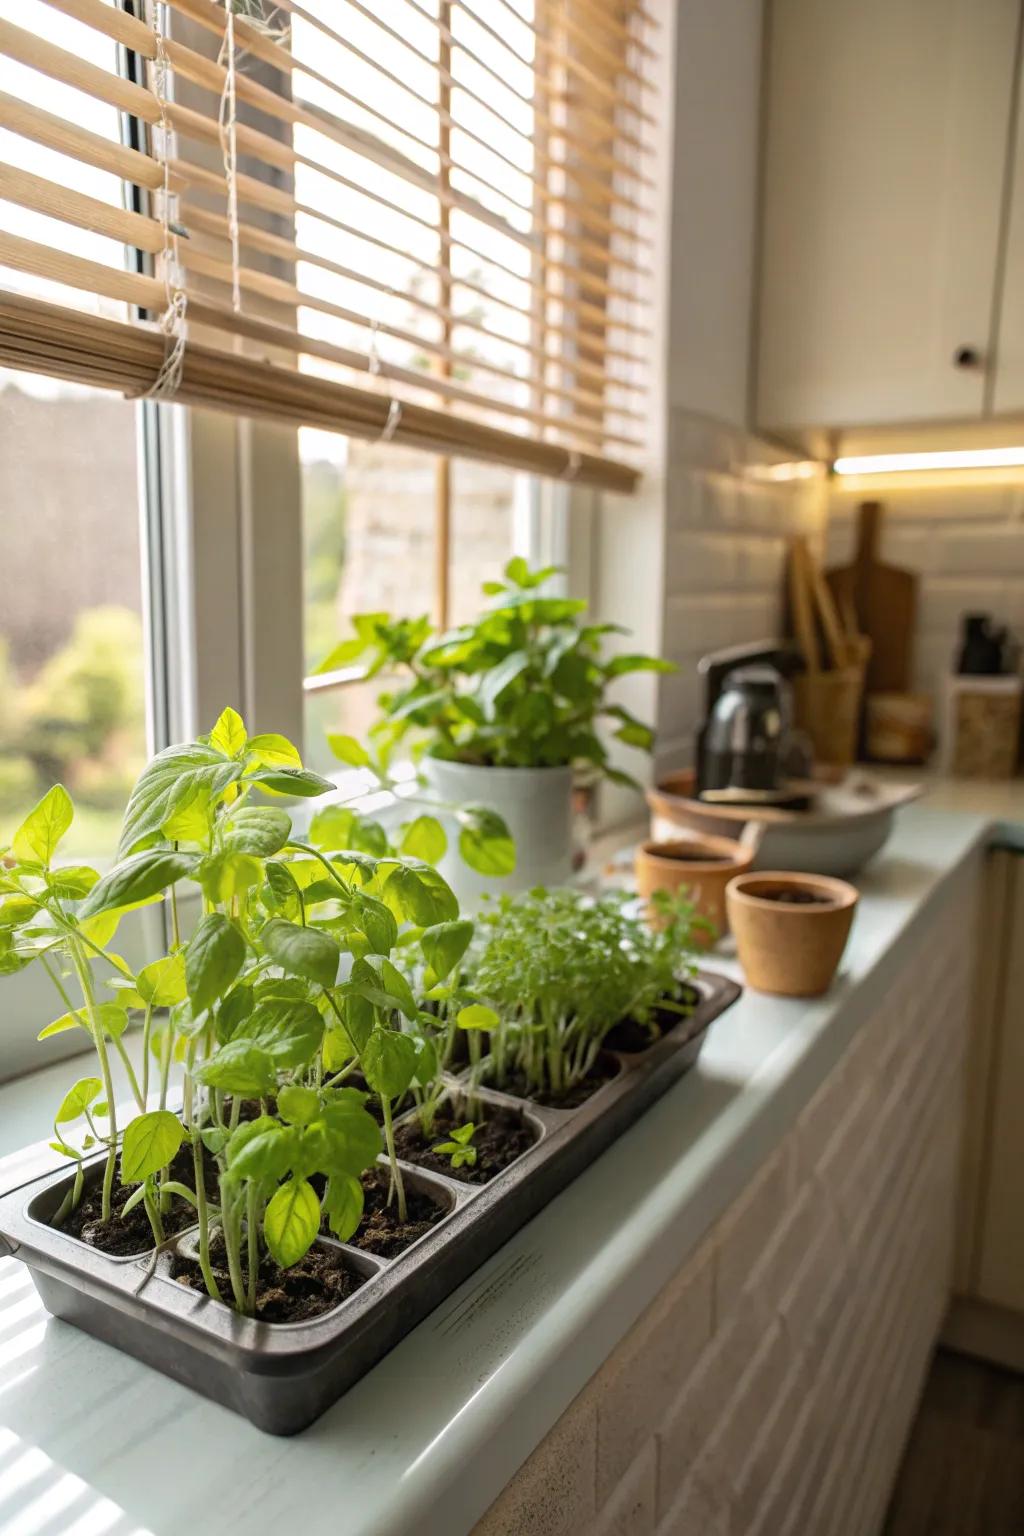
(960, 458)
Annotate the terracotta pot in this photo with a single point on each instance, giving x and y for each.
(790, 947)
(703, 865)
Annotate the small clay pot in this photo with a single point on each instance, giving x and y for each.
(790, 930)
(703, 866)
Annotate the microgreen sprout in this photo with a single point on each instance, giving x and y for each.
(560, 970)
(459, 1149)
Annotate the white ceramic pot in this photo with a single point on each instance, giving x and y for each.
(536, 806)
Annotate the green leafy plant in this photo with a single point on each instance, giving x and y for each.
(524, 685)
(459, 1149)
(560, 970)
(294, 976)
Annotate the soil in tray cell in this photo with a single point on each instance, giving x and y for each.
(631, 1036)
(380, 1230)
(315, 1285)
(498, 1141)
(604, 1069)
(120, 1235)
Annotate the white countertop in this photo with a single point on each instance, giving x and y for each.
(92, 1442)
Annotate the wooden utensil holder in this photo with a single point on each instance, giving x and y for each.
(828, 708)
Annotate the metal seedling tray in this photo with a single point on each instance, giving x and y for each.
(282, 1376)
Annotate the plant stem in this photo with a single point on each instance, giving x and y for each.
(147, 1027)
(397, 1187)
(133, 1081)
(232, 1229)
(81, 966)
(166, 1046)
(71, 1199)
(153, 1213)
(252, 1225)
(204, 1224)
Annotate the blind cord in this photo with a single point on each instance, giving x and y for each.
(173, 320)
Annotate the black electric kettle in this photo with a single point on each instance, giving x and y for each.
(747, 751)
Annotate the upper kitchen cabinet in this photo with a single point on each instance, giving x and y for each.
(887, 129)
(1008, 379)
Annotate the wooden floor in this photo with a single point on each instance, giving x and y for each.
(963, 1474)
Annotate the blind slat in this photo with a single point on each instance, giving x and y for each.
(31, 191)
(271, 244)
(430, 223)
(47, 128)
(238, 384)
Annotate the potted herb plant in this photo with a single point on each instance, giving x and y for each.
(501, 711)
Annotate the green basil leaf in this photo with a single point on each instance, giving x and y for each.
(227, 875)
(137, 878)
(416, 893)
(302, 951)
(619, 666)
(424, 839)
(78, 1099)
(291, 781)
(445, 944)
(162, 983)
(357, 1012)
(348, 750)
(343, 1204)
(239, 1067)
(266, 1156)
(272, 750)
(377, 922)
(298, 1105)
(214, 957)
(171, 780)
(149, 1143)
(229, 735)
(72, 882)
(289, 1032)
(281, 892)
(233, 1011)
(389, 1062)
(485, 842)
(39, 835)
(291, 1222)
(476, 1016)
(332, 827)
(260, 830)
(111, 1017)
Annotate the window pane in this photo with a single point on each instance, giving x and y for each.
(368, 546)
(483, 532)
(72, 679)
(350, 710)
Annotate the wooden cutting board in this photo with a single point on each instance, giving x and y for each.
(884, 600)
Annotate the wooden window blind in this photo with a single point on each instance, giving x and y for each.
(422, 220)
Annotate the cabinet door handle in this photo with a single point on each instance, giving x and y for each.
(967, 357)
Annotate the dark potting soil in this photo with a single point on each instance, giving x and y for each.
(795, 897)
(313, 1286)
(681, 857)
(123, 1235)
(501, 1138)
(632, 1037)
(380, 1230)
(604, 1069)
